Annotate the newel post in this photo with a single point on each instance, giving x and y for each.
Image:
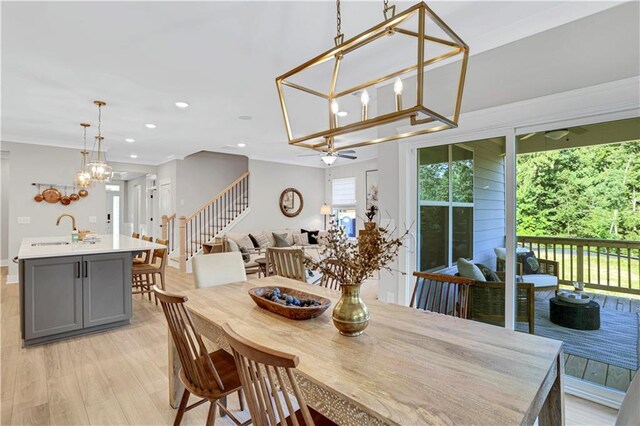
(183, 244)
(164, 226)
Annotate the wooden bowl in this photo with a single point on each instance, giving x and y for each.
(293, 312)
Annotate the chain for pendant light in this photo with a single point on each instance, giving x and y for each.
(338, 19)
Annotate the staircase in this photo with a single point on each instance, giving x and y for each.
(206, 223)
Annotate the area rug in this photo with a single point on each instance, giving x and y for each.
(615, 343)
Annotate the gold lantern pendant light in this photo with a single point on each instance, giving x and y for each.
(98, 168)
(359, 101)
(83, 177)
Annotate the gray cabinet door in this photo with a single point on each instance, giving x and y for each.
(52, 296)
(106, 288)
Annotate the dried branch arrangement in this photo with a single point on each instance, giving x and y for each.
(352, 261)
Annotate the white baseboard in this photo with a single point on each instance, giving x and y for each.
(590, 391)
(12, 279)
(4, 262)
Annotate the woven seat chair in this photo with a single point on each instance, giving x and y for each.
(267, 376)
(211, 376)
(444, 294)
(487, 303)
(286, 262)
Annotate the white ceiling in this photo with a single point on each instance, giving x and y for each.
(221, 57)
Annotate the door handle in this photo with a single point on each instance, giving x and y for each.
(86, 269)
(78, 265)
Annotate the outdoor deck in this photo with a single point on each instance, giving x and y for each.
(595, 371)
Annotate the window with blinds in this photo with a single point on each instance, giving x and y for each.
(343, 192)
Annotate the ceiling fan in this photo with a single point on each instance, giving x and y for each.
(557, 134)
(331, 156)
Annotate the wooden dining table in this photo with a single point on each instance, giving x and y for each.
(409, 366)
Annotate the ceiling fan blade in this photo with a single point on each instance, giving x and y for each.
(578, 130)
(347, 151)
(525, 137)
(307, 155)
(350, 157)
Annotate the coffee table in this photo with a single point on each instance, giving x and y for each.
(574, 315)
(262, 263)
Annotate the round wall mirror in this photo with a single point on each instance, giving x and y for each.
(291, 202)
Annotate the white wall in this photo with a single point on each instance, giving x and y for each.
(38, 163)
(266, 181)
(359, 171)
(4, 208)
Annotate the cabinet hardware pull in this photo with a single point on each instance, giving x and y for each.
(78, 262)
(86, 269)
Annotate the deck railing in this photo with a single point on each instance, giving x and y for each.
(612, 265)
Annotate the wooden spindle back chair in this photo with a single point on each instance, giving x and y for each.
(444, 294)
(286, 262)
(144, 274)
(263, 373)
(327, 280)
(199, 373)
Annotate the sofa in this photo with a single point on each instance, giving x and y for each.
(253, 245)
(545, 279)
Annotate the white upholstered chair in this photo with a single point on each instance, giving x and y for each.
(218, 269)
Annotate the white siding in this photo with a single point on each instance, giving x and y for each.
(489, 199)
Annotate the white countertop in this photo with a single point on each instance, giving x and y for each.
(107, 244)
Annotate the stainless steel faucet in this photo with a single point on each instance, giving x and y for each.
(73, 220)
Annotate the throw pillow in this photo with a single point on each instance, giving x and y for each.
(488, 273)
(468, 270)
(323, 237)
(242, 240)
(254, 241)
(530, 264)
(313, 236)
(262, 239)
(245, 255)
(281, 240)
(233, 246)
(301, 239)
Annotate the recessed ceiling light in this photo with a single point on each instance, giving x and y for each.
(133, 156)
(242, 145)
(342, 113)
(150, 126)
(182, 104)
(245, 117)
(130, 140)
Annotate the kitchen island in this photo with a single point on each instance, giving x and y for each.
(72, 288)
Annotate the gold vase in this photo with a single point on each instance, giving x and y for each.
(350, 315)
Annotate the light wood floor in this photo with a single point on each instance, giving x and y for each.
(119, 377)
(593, 371)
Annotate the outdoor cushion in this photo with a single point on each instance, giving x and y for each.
(501, 252)
(467, 269)
(488, 273)
(540, 280)
(529, 262)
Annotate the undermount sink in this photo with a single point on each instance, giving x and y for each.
(50, 243)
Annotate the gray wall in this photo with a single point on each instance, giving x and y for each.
(199, 177)
(4, 208)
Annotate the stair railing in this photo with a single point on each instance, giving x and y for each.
(169, 230)
(214, 215)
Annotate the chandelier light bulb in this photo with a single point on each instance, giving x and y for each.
(335, 107)
(364, 98)
(398, 86)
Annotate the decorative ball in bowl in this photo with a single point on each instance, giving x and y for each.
(290, 303)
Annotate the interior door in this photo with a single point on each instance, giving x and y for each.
(114, 209)
(165, 199)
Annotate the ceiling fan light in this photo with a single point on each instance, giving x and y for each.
(557, 134)
(329, 159)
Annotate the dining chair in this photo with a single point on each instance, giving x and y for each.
(327, 280)
(444, 294)
(144, 274)
(286, 262)
(264, 372)
(217, 269)
(629, 413)
(211, 376)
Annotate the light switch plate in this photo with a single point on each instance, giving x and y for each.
(93, 219)
(23, 220)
